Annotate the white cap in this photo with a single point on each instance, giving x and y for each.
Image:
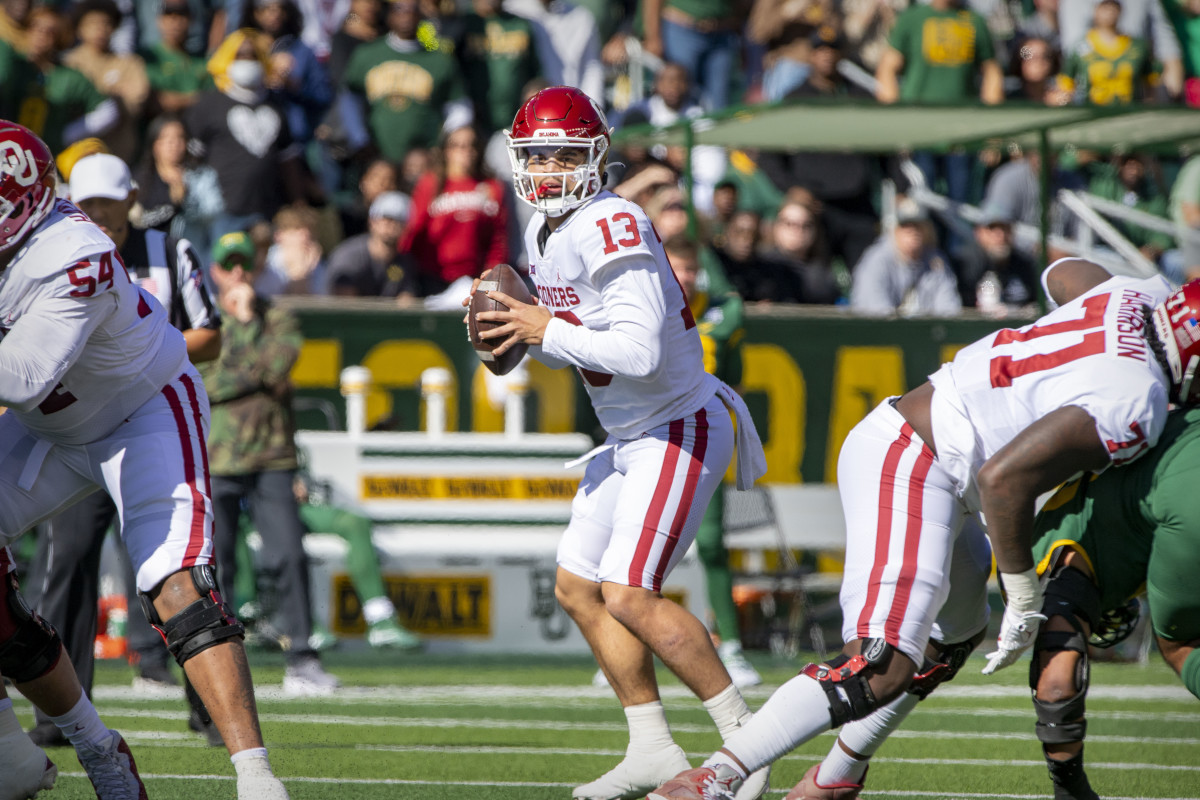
(100, 175)
(390, 205)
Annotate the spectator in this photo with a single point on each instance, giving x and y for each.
(1185, 19)
(411, 92)
(369, 264)
(844, 183)
(252, 450)
(207, 25)
(993, 276)
(177, 194)
(1034, 69)
(14, 17)
(944, 51)
(798, 243)
(176, 76)
(725, 205)
(364, 23)
(60, 104)
(704, 38)
(737, 250)
(1185, 213)
(1041, 24)
(295, 262)
(1107, 67)
(296, 79)
(70, 543)
(378, 176)
(568, 44)
(1128, 181)
(904, 272)
(1141, 19)
(459, 216)
(245, 137)
(122, 77)
(499, 57)
(1014, 190)
(786, 31)
(866, 27)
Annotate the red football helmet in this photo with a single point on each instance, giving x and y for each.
(555, 119)
(1177, 322)
(27, 183)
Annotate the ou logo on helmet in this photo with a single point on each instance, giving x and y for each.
(18, 162)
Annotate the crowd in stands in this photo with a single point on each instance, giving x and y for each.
(360, 143)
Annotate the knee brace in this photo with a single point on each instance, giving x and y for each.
(203, 624)
(29, 646)
(1062, 722)
(844, 680)
(944, 666)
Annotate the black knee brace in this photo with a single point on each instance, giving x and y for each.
(1062, 722)
(844, 680)
(944, 666)
(204, 624)
(32, 647)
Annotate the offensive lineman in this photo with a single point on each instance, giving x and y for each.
(1012, 416)
(101, 394)
(610, 306)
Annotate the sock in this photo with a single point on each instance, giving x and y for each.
(9, 724)
(648, 729)
(840, 767)
(81, 725)
(864, 736)
(728, 710)
(251, 762)
(795, 713)
(378, 609)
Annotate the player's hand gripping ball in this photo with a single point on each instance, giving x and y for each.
(501, 278)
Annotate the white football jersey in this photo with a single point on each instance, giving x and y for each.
(83, 346)
(1091, 353)
(620, 316)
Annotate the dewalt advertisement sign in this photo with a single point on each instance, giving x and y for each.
(431, 605)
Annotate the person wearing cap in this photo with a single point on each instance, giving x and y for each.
(904, 272)
(70, 543)
(252, 450)
(176, 76)
(369, 265)
(993, 276)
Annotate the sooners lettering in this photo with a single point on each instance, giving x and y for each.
(558, 296)
(1130, 449)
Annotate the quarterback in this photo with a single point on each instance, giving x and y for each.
(609, 305)
(1015, 414)
(101, 395)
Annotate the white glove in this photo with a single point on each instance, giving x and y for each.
(1022, 618)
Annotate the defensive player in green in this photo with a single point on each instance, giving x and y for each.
(718, 311)
(1100, 539)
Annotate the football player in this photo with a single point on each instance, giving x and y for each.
(609, 305)
(1014, 415)
(101, 395)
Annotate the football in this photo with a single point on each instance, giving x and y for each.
(501, 278)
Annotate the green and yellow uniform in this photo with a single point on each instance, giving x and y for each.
(498, 59)
(943, 51)
(1107, 73)
(175, 70)
(44, 102)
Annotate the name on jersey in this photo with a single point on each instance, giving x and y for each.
(558, 296)
(1131, 324)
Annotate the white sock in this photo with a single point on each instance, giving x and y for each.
(378, 609)
(728, 710)
(648, 729)
(82, 725)
(795, 713)
(9, 724)
(251, 762)
(840, 767)
(864, 737)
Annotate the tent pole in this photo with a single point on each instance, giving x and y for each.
(689, 144)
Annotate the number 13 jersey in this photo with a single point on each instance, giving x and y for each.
(1091, 352)
(620, 316)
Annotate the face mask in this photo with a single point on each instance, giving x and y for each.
(246, 74)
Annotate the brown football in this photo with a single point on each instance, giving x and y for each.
(501, 278)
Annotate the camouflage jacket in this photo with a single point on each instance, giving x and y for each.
(250, 390)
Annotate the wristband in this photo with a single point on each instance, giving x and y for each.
(1022, 590)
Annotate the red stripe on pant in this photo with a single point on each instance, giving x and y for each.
(686, 496)
(912, 543)
(658, 502)
(196, 537)
(883, 530)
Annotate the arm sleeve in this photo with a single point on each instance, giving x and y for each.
(632, 346)
(198, 308)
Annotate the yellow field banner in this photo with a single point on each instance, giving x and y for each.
(433, 605)
(466, 487)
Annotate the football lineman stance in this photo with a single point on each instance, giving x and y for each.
(1012, 416)
(101, 394)
(609, 305)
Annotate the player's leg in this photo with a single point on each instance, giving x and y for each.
(896, 563)
(718, 580)
(69, 546)
(652, 754)
(25, 766)
(1059, 673)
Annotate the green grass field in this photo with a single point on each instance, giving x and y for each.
(496, 728)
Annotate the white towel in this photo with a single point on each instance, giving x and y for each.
(751, 460)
